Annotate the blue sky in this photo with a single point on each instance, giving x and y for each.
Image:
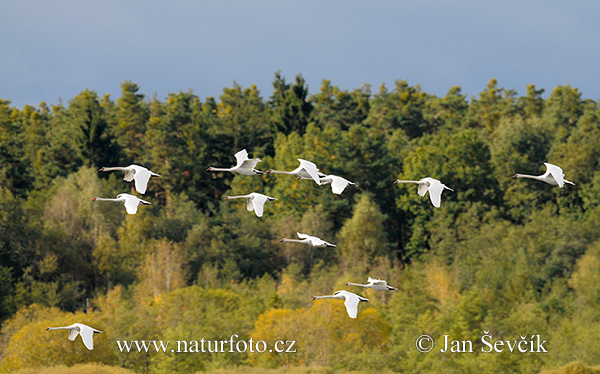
(53, 50)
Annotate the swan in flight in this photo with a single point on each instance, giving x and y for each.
(308, 239)
(554, 175)
(86, 332)
(131, 202)
(136, 173)
(338, 184)
(351, 301)
(306, 170)
(434, 186)
(255, 201)
(244, 166)
(376, 284)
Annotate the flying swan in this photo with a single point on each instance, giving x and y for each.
(131, 202)
(255, 201)
(376, 284)
(434, 186)
(308, 239)
(351, 301)
(136, 173)
(244, 166)
(554, 175)
(338, 184)
(86, 332)
(306, 170)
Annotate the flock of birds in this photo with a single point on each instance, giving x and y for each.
(255, 202)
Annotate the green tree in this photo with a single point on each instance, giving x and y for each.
(289, 104)
(132, 115)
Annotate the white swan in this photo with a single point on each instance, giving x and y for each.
(434, 186)
(351, 301)
(376, 284)
(308, 239)
(554, 175)
(306, 170)
(86, 332)
(136, 173)
(338, 184)
(244, 166)
(255, 201)
(131, 202)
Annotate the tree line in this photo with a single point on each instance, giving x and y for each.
(500, 254)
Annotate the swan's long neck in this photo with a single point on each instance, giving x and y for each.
(105, 199)
(59, 328)
(220, 169)
(401, 181)
(112, 168)
(281, 172)
(356, 284)
(237, 197)
(327, 297)
(293, 240)
(537, 177)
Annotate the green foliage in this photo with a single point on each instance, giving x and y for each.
(510, 257)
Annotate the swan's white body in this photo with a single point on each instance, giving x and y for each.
(434, 186)
(244, 166)
(86, 332)
(351, 301)
(255, 201)
(338, 184)
(376, 284)
(306, 170)
(136, 173)
(308, 239)
(131, 202)
(554, 175)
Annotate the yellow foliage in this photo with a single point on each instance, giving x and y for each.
(324, 334)
(573, 368)
(32, 346)
(442, 284)
(76, 369)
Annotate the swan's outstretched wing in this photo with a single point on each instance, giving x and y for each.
(557, 174)
(129, 174)
(302, 236)
(311, 169)
(259, 201)
(87, 335)
(241, 156)
(338, 184)
(351, 304)
(142, 176)
(73, 332)
(131, 202)
(374, 281)
(250, 203)
(423, 187)
(131, 206)
(435, 193)
(247, 166)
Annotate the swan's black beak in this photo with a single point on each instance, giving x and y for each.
(314, 298)
(281, 240)
(395, 182)
(101, 169)
(347, 283)
(268, 171)
(514, 176)
(226, 197)
(94, 199)
(47, 328)
(208, 169)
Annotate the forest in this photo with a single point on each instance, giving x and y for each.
(501, 256)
